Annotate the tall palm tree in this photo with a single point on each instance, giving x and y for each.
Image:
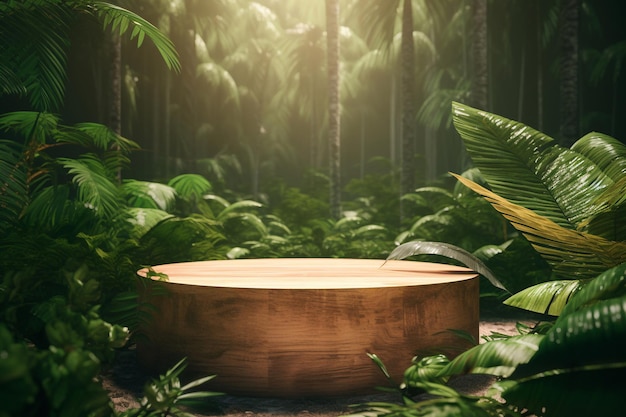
(407, 180)
(480, 74)
(334, 111)
(568, 68)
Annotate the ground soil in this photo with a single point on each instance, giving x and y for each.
(125, 382)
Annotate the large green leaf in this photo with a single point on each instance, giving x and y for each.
(497, 357)
(529, 168)
(450, 251)
(609, 284)
(572, 254)
(545, 298)
(148, 194)
(579, 393)
(579, 366)
(607, 153)
(589, 339)
(143, 219)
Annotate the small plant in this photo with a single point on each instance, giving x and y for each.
(164, 397)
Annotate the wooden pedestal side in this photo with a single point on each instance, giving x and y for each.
(303, 327)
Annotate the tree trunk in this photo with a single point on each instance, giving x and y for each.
(480, 73)
(334, 132)
(568, 43)
(115, 109)
(407, 178)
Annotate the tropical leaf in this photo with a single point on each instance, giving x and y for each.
(190, 186)
(599, 328)
(579, 366)
(529, 168)
(95, 189)
(369, 230)
(547, 297)
(237, 206)
(496, 357)
(34, 36)
(14, 190)
(578, 393)
(102, 137)
(32, 126)
(572, 254)
(148, 194)
(121, 19)
(450, 251)
(248, 220)
(53, 210)
(607, 153)
(437, 198)
(175, 239)
(609, 284)
(143, 219)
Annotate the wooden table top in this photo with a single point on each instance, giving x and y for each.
(310, 273)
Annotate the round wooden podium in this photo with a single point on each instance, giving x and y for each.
(303, 327)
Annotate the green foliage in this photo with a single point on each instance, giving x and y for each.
(552, 196)
(35, 40)
(164, 396)
(449, 251)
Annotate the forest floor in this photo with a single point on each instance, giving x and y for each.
(125, 382)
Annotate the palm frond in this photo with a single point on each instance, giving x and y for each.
(176, 239)
(238, 206)
(53, 210)
(147, 194)
(450, 251)
(607, 153)
(99, 136)
(31, 126)
(572, 254)
(529, 168)
(14, 192)
(190, 186)
(121, 19)
(143, 219)
(34, 36)
(95, 188)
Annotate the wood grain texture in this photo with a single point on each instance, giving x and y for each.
(305, 330)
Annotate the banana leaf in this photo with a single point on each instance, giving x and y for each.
(572, 254)
(609, 284)
(545, 298)
(580, 364)
(590, 339)
(606, 152)
(529, 168)
(582, 393)
(449, 251)
(497, 357)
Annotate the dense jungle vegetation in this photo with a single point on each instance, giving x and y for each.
(139, 133)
